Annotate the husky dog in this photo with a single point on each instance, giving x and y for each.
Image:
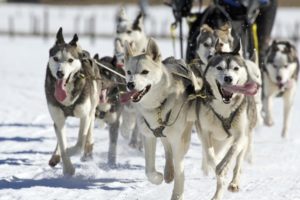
(211, 40)
(109, 108)
(163, 108)
(227, 116)
(280, 79)
(72, 88)
(134, 34)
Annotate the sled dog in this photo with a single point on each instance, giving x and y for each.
(280, 77)
(161, 100)
(227, 116)
(72, 88)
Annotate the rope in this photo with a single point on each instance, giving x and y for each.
(113, 71)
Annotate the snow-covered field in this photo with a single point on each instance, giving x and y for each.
(27, 139)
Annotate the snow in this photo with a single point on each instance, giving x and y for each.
(27, 140)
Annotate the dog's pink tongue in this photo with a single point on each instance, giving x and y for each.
(60, 91)
(125, 97)
(249, 88)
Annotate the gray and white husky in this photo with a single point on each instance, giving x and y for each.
(161, 101)
(134, 34)
(226, 117)
(72, 88)
(280, 79)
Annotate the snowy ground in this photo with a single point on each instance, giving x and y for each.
(27, 139)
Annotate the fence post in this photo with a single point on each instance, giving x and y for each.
(11, 26)
(46, 24)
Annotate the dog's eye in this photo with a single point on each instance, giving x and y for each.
(144, 72)
(129, 72)
(128, 32)
(70, 60)
(206, 45)
(219, 68)
(55, 59)
(236, 69)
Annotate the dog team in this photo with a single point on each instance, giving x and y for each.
(221, 93)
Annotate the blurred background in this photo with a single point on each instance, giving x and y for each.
(96, 18)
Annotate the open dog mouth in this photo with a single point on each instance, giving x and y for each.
(134, 95)
(226, 91)
(138, 95)
(60, 92)
(226, 95)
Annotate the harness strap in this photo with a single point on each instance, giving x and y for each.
(158, 132)
(226, 122)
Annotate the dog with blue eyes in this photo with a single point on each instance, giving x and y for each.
(280, 76)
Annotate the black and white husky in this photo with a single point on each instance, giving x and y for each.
(72, 88)
(280, 79)
(227, 116)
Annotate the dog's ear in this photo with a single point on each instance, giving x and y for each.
(74, 41)
(206, 28)
(153, 50)
(138, 22)
(238, 49)
(60, 37)
(96, 56)
(127, 51)
(217, 46)
(121, 15)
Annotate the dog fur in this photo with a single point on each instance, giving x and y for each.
(156, 89)
(280, 79)
(134, 34)
(226, 119)
(72, 88)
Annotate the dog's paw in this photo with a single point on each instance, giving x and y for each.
(155, 177)
(69, 171)
(269, 122)
(169, 174)
(233, 187)
(55, 159)
(177, 197)
(284, 134)
(87, 157)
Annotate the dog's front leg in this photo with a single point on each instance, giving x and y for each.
(89, 144)
(150, 149)
(113, 139)
(234, 184)
(178, 154)
(268, 105)
(221, 169)
(288, 99)
(55, 159)
(59, 126)
(208, 153)
(169, 167)
(85, 123)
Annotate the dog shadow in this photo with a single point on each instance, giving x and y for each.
(66, 182)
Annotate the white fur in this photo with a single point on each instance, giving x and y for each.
(176, 143)
(219, 150)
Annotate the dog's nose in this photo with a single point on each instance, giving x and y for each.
(228, 79)
(130, 85)
(278, 78)
(59, 74)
